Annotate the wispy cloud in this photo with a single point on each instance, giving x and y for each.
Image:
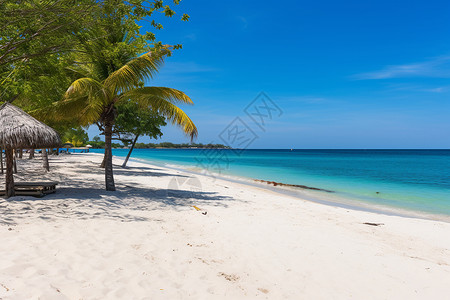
(436, 90)
(191, 36)
(438, 68)
(305, 99)
(418, 88)
(243, 21)
(184, 72)
(186, 67)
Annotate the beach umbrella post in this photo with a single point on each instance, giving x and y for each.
(14, 161)
(9, 178)
(45, 158)
(67, 146)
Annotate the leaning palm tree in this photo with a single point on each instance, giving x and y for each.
(93, 101)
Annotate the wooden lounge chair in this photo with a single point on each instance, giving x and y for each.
(37, 189)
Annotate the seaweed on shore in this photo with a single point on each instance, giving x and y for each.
(274, 183)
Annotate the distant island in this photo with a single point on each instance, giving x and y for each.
(183, 145)
(165, 145)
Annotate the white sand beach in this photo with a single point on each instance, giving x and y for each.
(147, 241)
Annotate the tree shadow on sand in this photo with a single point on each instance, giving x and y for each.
(79, 198)
(126, 204)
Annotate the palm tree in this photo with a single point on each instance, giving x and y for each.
(93, 101)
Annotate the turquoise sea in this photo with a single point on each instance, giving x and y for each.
(414, 180)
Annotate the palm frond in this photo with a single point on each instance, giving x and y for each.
(96, 98)
(79, 70)
(134, 72)
(83, 101)
(168, 94)
(161, 103)
(83, 86)
(67, 109)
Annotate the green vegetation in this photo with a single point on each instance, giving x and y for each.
(76, 136)
(33, 29)
(97, 50)
(133, 122)
(96, 143)
(93, 100)
(34, 35)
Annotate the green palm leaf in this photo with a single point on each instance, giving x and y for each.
(134, 72)
(65, 110)
(162, 102)
(168, 94)
(85, 86)
(84, 101)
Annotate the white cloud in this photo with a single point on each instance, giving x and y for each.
(438, 68)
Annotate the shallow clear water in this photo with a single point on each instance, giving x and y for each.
(410, 179)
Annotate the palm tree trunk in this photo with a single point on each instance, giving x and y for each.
(45, 158)
(9, 180)
(31, 154)
(129, 152)
(109, 176)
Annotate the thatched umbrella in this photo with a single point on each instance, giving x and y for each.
(19, 130)
(67, 145)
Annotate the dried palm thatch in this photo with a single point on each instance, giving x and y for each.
(20, 130)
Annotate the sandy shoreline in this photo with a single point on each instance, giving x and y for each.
(302, 192)
(147, 241)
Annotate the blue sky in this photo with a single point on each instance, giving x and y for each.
(346, 74)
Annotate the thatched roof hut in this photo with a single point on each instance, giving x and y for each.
(67, 145)
(19, 130)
